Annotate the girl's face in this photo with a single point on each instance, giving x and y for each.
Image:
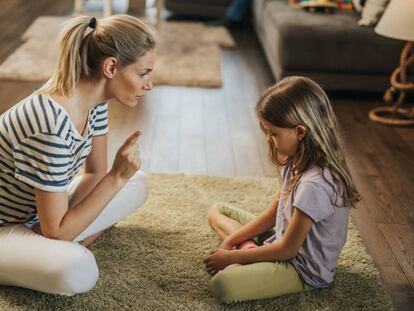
(130, 84)
(286, 140)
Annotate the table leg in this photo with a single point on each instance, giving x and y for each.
(160, 6)
(77, 7)
(107, 9)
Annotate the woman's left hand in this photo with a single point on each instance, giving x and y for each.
(218, 260)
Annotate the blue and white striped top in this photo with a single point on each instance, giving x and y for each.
(41, 148)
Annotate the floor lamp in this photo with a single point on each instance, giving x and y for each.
(397, 23)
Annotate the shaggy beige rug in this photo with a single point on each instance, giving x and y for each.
(188, 53)
(153, 259)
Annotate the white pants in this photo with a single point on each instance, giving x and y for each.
(60, 267)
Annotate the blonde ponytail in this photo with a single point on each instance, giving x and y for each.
(84, 42)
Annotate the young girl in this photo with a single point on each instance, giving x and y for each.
(48, 136)
(309, 215)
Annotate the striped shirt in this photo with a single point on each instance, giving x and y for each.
(41, 148)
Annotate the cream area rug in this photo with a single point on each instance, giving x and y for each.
(188, 54)
(153, 259)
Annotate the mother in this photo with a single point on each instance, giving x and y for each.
(48, 136)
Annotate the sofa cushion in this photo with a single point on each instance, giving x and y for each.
(372, 12)
(358, 5)
(326, 42)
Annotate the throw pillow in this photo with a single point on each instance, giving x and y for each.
(358, 5)
(372, 12)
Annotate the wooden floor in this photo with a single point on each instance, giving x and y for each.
(214, 131)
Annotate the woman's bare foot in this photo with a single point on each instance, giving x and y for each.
(90, 239)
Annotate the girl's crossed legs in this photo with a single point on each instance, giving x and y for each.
(254, 281)
(52, 266)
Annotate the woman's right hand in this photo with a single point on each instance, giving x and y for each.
(127, 161)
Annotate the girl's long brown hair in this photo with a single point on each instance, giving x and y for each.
(300, 101)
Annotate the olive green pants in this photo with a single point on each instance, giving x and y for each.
(254, 281)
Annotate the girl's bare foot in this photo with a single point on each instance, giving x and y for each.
(87, 242)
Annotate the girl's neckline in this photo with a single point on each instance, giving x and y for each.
(75, 130)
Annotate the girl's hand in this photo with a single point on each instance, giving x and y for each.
(226, 245)
(127, 161)
(218, 260)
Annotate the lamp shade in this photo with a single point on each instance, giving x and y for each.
(397, 22)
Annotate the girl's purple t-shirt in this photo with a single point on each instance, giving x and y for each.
(317, 258)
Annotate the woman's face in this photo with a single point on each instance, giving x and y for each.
(286, 140)
(130, 84)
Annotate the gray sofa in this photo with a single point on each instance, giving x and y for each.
(329, 48)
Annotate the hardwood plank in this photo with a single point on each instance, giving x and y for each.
(146, 120)
(192, 145)
(165, 150)
(370, 152)
(256, 78)
(394, 279)
(397, 164)
(367, 154)
(247, 157)
(407, 134)
(219, 149)
(363, 169)
(401, 240)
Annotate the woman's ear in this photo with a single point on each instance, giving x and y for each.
(109, 67)
(301, 132)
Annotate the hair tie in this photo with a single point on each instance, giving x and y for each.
(92, 23)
